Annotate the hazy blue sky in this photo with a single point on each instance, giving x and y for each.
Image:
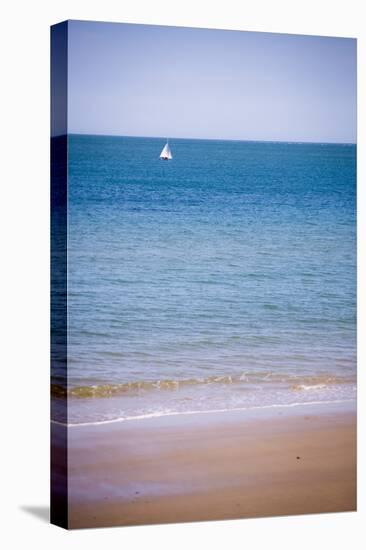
(179, 82)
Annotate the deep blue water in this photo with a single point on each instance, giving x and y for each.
(222, 278)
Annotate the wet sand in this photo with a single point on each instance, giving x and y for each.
(214, 466)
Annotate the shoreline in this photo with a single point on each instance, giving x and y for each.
(213, 466)
(246, 410)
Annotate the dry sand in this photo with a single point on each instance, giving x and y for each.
(212, 467)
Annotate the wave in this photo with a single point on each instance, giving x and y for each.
(299, 387)
(293, 382)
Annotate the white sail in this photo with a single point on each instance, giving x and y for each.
(166, 152)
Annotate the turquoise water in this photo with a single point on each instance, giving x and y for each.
(223, 279)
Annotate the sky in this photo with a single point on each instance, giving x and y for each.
(142, 80)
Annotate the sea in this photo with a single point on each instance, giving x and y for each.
(223, 279)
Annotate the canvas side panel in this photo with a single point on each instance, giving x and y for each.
(59, 491)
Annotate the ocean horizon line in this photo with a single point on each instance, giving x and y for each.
(232, 140)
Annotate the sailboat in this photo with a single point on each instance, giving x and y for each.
(166, 152)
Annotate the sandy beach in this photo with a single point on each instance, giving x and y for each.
(213, 466)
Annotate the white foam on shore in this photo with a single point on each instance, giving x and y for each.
(159, 414)
(309, 387)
